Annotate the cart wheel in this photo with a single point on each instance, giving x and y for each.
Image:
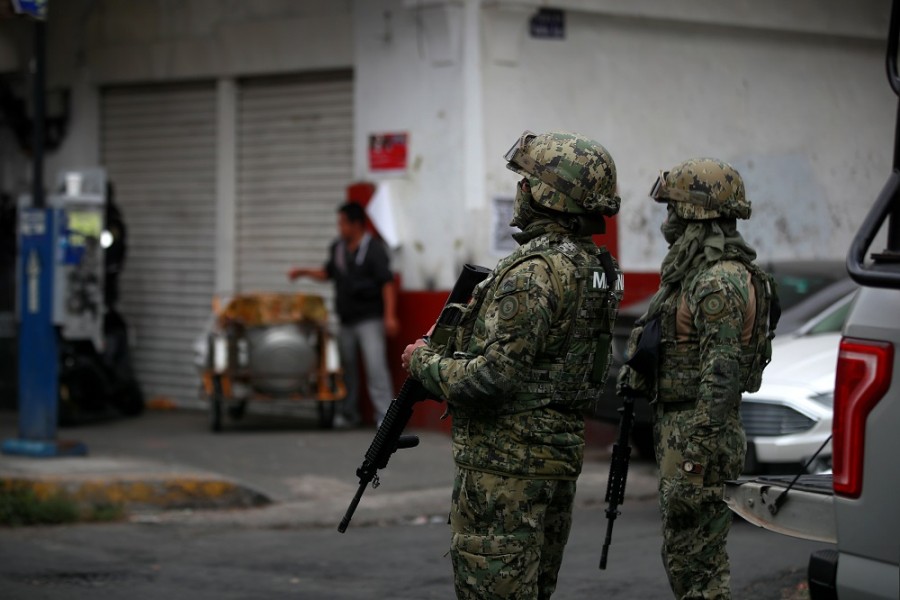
(326, 413)
(237, 411)
(215, 406)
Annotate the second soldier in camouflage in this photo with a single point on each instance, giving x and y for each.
(715, 322)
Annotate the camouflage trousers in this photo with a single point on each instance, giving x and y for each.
(695, 518)
(508, 534)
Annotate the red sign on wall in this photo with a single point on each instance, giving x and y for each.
(387, 151)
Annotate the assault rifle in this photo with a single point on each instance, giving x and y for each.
(618, 473)
(389, 438)
(644, 361)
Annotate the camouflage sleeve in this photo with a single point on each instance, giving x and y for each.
(516, 323)
(718, 309)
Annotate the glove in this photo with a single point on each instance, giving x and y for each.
(630, 383)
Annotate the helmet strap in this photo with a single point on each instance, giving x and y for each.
(583, 225)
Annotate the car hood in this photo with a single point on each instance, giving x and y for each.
(809, 361)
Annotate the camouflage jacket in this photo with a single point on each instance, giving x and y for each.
(523, 317)
(709, 347)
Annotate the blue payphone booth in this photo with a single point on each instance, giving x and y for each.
(60, 296)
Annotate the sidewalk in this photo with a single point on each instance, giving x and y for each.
(266, 471)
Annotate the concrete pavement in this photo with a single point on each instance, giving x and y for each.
(267, 470)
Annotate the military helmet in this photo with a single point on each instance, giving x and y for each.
(567, 172)
(702, 189)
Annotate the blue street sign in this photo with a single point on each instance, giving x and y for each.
(548, 24)
(32, 8)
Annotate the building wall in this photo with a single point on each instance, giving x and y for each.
(158, 88)
(797, 101)
(95, 43)
(410, 78)
(794, 97)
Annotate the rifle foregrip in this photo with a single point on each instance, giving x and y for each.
(618, 475)
(392, 425)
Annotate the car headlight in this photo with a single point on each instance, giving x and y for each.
(824, 398)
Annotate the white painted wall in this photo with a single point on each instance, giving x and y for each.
(409, 77)
(806, 117)
(794, 96)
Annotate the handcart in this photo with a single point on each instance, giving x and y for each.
(273, 348)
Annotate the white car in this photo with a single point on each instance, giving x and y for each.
(789, 418)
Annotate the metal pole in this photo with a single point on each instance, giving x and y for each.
(38, 84)
(38, 350)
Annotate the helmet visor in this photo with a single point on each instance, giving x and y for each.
(658, 191)
(518, 148)
(662, 193)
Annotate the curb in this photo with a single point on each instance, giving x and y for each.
(142, 493)
(133, 485)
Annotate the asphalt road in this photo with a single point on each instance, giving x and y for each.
(395, 548)
(404, 560)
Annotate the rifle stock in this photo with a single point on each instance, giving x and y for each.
(388, 439)
(618, 473)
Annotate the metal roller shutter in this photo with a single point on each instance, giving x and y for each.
(159, 147)
(295, 139)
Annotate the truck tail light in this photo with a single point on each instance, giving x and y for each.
(863, 377)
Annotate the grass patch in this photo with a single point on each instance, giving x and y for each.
(104, 513)
(21, 506)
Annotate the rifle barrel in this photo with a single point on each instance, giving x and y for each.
(345, 522)
(618, 474)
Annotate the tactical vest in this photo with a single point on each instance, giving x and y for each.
(570, 370)
(678, 376)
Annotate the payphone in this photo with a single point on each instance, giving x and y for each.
(80, 207)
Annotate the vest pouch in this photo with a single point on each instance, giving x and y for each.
(679, 376)
(441, 338)
(753, 366)
(601, 358)
(763, 331)
(646, 355)
(445, 331)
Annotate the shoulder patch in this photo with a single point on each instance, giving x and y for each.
(508, 307)
(713, 305)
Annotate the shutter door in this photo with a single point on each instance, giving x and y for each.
(159, 147)
(295, 139)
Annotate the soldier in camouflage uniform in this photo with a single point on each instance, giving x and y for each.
(709, 330)
(528, 356)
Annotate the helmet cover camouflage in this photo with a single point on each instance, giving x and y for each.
(567, 172)
(702, 189)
